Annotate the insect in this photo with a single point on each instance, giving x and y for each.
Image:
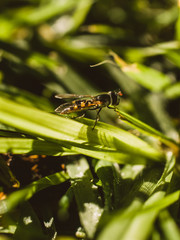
(82, 103)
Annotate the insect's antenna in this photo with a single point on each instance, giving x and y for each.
(97, 119)
(101, 63)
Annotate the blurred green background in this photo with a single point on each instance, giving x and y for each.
(47, 47)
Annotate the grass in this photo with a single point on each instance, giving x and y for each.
(59, 178)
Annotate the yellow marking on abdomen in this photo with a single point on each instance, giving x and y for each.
(98, 102)
(75, 107)
(83, 104)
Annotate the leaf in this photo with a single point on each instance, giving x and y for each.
(173, 92)
(32, 146)
(146, 76)
(173, 56)
(131, 221)
(25, 97)
(148, 129)
(169, 226)
(26, 193)
(33, 16)
(86, 194)
(29, 225)
(105, 142)
(177, 26)
(138, 54)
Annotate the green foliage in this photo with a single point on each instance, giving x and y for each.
(59, 178)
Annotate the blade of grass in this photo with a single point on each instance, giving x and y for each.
(104, 171)
(148, 129)
(29, 225)
(177, 26)
(127, 223)
(86, 194)
(169, 226)
(173, 57)
(26, 193)
(32, 146)
(138, 54)
(147, 77)
(37, 61)
(148, 215)
(37, 15)
(150, 107)
(173, 92)
(74, 135)
(25, 97)
(132, 203)
(133, 220)
(83, 7)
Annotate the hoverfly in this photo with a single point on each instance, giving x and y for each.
(82, 103)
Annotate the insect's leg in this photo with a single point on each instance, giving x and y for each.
(80, 116)
(111, 107)
(97, 118)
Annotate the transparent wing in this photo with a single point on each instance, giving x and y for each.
(72, 96)
(62, 107)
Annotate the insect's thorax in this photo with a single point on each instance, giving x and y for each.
(103, 99)
(114, 98)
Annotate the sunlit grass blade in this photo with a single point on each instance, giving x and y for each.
(25, 97)
(127, 223)
(74, 135)
(116, 32)
(88, 202)
(37, 61)
(173, 57)
(80, 13)
(32, 146)
(148, 215)
(173, 92)
(104, 171)
(138, 54)
(80, 49)
(147, 77)
(148, 129)
(177, 26)
(26, 193)
(133, 220)
(169, 226)
(37, 15)
(166, 17)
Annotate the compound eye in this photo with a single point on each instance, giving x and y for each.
(120, 93)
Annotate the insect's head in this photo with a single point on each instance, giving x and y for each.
(115, 96)
(118, 92)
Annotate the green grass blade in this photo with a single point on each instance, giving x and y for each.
(25, 97)
(133, 220)
(148, 129)
(37, 15)
(168, 226)
(86, 195)
(177, 26)
(147, 77)
(81, 12)
(138, 54)
(173, 92)
(26, 193)
(32, 146)
(28, 219)
(103, 142)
